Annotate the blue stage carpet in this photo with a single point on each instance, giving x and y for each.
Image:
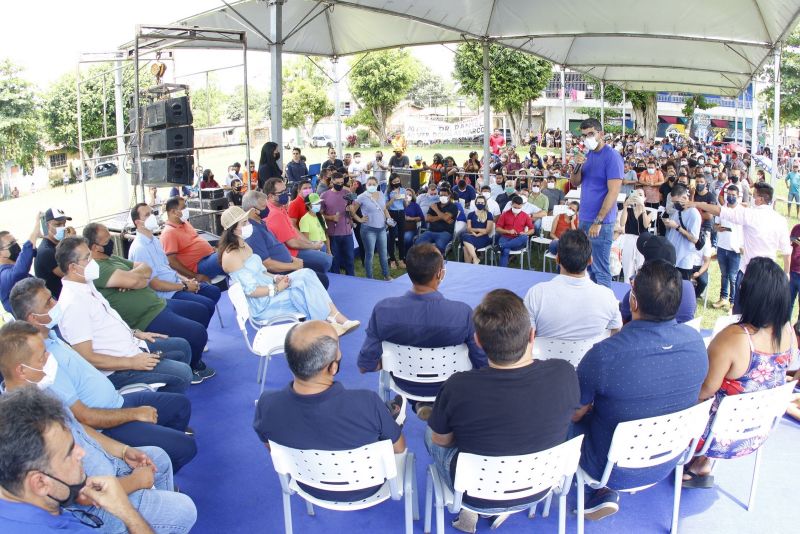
(236, 491)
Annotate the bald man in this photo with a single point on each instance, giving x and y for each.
(316, 412)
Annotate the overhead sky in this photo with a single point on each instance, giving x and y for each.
(46, 37)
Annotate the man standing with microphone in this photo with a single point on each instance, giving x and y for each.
(600, 172)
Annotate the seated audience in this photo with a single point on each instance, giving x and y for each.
(312, 224)
(751, 355)
(271, 295)
(504, 198)
(413, 217)
(97, 332)
(42, 476)
(166, 281)
(479, 411)
(208, 181)
(479, 232)
(427, 196)
(316, 412)
(653, 366)
(26, 362)
(234, 194)
(297, 207)
(45, 265)
(513, 229)
(571, 306)
(562, 223)
(274, 254)
(655, 248)
(15, 261)
(281, 226)
(540, 204)
(125, 285)
(491, 204)
(423, 317)
(188, 253)
(555, 196)
(441, 218)
(463, 192)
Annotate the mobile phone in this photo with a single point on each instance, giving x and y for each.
(42, 225)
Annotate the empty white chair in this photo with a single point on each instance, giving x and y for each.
(695, 323)
(420, 365)
(547, 227)
(350, 470)
(521, 476)
(749, 417)
(646, 443)
(549, 348)
(723, 322)
(269, 337)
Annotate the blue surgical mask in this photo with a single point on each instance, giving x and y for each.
(316, 207)
(60, 233)
(372, 188)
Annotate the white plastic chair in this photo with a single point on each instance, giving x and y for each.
(749, 416)
(695, 323)
(348, 470)
(419, 365)
(551, 348)
(645, 443)
(724, 322)
(214, 281)
(547, 227)
(558, 209)
(514, 477)
(269, 337)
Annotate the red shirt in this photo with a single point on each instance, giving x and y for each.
(495, 142)
(183, 241)
(297, 208)
(518, 222)
(562, 225)
(279, 224)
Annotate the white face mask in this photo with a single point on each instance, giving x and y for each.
(516, 211)
(570, 213)
(185, 215)
(247, 231)
(551, 185)
(91, 271)
(151, 223)
(50, 369)
(487, 195)
(535, 189)
(590, 143)
(55, 315)
(651, 171)
(444, 200)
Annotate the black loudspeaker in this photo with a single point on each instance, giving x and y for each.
(172, 170)
(160, 142)
(170, 112)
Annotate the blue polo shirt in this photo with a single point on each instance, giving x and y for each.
(266, 245)
(646, 370)
(77, 379)
(149, 250)
(11, 274)
(427, 320)
(686, 308)
(467, 195)
(599, 168)
(24, 518)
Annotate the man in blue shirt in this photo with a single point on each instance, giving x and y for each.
(316, 412)
(167, 283)
(274, 254)
(42, 476)
(599, 175)
(793, 185)
(423, 317)
(683, 230)
(16, 260)
(652, 367)
(464, 192)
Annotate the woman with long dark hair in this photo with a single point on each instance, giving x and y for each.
(270, 295)
(268, 163)
(748, 356)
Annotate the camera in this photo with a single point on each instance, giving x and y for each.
(349, 198)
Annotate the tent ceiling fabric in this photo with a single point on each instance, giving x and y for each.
(710, 46)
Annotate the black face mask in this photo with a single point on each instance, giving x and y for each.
(338, 187)
(480, 206)
(395, 185)
(277, 156)
(678, 206)
(13, 251)
(74, 491)
(283, 198)
(734, 179)
(108, 248)
(263, 213)
(701, 187)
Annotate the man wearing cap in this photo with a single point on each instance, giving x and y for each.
(398, 160)
(654, 248)
(441, 218)
(422, 167)
(45, 265)
(16, 260)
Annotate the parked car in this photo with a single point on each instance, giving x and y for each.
(105, 169)
(322, 140)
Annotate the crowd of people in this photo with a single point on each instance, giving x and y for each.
(79, 448)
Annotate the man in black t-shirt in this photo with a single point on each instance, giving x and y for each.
(479, 411)
(45, 265)
(703, 194)
(441, 219)
(399, 160)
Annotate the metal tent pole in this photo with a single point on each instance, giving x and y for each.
(276, 68)
(603, 104)
(487, 111)
(623, 113)
(337, 111)
(119, 119)
(736, 119)
(754, 135)
(563, 117)
(776, 118)
(246, 114)
(80, 144)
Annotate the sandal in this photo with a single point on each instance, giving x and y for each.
(696, 481)
(466, 521)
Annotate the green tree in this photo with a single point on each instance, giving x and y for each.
(691, 104)
(378, 82)
(790, 83)
(19, 119)
(305, 97)
(644, 105)
(431, 90)
(208, 103)
(258, 105)
(516, 78)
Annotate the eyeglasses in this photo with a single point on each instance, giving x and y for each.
(86, 518)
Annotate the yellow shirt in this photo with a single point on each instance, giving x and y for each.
(309, 224)
(423, 175)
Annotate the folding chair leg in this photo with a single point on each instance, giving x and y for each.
(579, 487)
(532, 511)
(287, 513)
(428, 500)
(562, 513)
(546, 512)
(264, 375)
(310, 508)
(751, 501)
(219, 317)
(414, 487)
(676, 499)
(260, 369)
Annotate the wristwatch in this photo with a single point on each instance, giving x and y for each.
(597, 221)
(185, 285)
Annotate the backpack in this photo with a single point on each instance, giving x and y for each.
(701, 239)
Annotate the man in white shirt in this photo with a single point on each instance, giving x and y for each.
(729, 252)
(491, 204)
(764, 230)
(357, 170)
(571, 306)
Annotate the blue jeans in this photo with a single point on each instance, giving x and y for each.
(210, 266)
(374, 238)
(208, 295)
(173, 369)
(728, 267)
(408, 238)
(737, 306)
(507, 244)
(188, 325)
(319, 262)
(552, 248)
(174, 411)
(794, 286)
(167, 511)
(600, 269)
(343, 254)
(440, 239)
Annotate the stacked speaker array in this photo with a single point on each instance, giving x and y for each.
(167, 142)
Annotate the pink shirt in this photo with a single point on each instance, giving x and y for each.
(764, 231)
